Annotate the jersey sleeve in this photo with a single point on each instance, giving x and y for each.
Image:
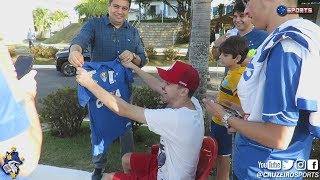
(13, 118)
(282, 79)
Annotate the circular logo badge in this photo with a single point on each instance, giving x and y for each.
(282, 10)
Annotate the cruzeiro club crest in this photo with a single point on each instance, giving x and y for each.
(12, 161)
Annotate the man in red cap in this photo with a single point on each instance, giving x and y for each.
(180, 125)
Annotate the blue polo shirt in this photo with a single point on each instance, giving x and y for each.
(255, 38)
(106, 125)
(107, 42)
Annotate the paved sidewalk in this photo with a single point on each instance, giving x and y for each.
(45, 172)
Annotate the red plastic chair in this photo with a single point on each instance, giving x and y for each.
(207, 158)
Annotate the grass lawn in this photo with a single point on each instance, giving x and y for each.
(44, 61)
(75, 152)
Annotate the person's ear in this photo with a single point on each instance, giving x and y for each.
(238, 58)
(184, 92)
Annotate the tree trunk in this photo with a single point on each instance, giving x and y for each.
(199, 44)
(318, 17)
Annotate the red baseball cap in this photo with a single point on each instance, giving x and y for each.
(182, 74)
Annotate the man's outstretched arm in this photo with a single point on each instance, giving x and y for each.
(154, 83)
(114, 103)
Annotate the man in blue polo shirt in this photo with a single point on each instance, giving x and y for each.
(109, 37)
(20, 131)
(280, 101)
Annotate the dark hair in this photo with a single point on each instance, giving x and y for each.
(239, 8)
(190, 93)
(235, 45)
(110, 1)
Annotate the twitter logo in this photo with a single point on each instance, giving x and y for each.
(287, 164)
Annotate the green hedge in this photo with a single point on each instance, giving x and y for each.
(62, 110)
(44, 52)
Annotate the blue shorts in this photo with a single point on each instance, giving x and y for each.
(223, 138)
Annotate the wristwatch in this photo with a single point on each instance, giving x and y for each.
(225, 118)
(134, 55)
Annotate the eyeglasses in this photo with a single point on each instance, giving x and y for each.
(124, 8)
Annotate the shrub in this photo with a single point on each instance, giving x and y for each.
(170, 53)
(36, 51)
(12, 50)
(143, 134)
(145, 97)
(151, 52)
(44, 52)
(49, 52)
(183, 36)
(62, 110)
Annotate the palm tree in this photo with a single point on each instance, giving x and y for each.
(199, 43)
(58, 17)
(92, 8)
(41, 19)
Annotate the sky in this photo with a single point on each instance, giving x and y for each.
(16, 15)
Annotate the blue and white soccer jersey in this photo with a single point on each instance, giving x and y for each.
(106, 125)
(13, 118)
(277, 87)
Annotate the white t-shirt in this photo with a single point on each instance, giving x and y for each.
(181, 132)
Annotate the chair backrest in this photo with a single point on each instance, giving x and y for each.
(207, 158)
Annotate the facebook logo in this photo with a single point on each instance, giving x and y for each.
(313, 164)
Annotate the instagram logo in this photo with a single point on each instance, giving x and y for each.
(301, 164)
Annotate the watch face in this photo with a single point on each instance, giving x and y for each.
(225, 119)
(231, 111)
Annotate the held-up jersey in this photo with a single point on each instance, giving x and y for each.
(277, 87)
(105, 124)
